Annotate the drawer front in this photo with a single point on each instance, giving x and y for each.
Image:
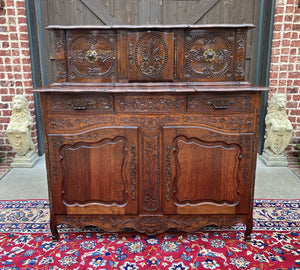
(209, 55)
(79, 103)
(91, 56)
(221, 103)
(150, 56)
(150, 103)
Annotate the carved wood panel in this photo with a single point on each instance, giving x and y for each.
(92, 55)
(210, 174)
(64, 122)
(206, 170)
(117, 55)
(150, 56)
(61, 63)
(209, 55)
(103, 170)
(150, 103)
(104, 178)
(240, 59)
(150, 172)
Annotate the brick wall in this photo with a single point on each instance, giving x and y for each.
(15, 69)
(285, 66)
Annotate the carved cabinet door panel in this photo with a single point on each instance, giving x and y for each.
(94, 172)
(91, 56)
(206, 171)
(150, 56)
(209, 55)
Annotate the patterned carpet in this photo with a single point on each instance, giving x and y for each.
(25, 243)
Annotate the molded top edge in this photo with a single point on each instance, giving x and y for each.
(155, 26)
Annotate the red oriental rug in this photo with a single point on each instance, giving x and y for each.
(25, 243)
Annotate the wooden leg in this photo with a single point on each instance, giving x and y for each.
(54, 231)
(249, 226)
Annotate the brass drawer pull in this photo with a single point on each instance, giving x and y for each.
(220, 104)
(80, 104)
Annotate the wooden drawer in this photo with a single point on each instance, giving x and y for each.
(79, 103)
(150, 103)
(221, 103)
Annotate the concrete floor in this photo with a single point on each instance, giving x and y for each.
(24, 183)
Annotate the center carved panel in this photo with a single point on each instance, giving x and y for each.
(148, 103)
(151, 55)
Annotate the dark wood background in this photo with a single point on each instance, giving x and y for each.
(108, 12)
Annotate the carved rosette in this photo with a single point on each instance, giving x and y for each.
(151, 55)
(91, 55)
(240, 44)
(208, 56)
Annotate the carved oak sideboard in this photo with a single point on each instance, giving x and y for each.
(151, 128)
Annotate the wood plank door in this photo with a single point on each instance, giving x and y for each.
(108, 12)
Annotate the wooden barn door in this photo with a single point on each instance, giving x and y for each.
(108, 12)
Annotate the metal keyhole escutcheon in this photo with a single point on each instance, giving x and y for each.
(209, 55)
(91, 56)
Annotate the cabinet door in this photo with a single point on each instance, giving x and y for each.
(206, 171)
(94, 172)
(209, 55)
(91, 56)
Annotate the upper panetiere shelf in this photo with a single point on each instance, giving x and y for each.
(150, 53)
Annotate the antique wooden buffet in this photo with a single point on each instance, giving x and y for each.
(150, 128)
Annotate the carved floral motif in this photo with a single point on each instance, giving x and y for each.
(155, 224)
(150, 172)
(239, 70)
(151, 55)
(168, 172)
(63, 123)
(228, 123)
(133, 171)
(60, 41)
(150, 103)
